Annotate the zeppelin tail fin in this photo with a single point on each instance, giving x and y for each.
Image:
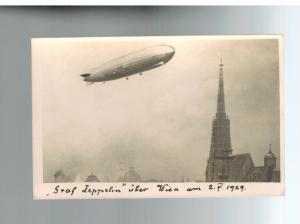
(85, 75)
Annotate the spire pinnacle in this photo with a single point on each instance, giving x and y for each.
(221, 98)
(221, 63)
(270, 145)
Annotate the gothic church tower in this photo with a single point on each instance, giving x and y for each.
(220, 149)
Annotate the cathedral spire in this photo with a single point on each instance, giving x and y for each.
(221, 139)
(221, 99)
(220, 148)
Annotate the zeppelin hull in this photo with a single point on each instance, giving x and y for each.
(131, 64)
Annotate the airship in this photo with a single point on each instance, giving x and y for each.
(130, 64)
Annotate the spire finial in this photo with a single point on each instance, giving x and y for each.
(270, 146)
(221, 100)
(221, 61)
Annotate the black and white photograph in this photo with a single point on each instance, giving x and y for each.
(170, 113)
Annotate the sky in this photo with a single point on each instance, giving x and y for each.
(159, 122)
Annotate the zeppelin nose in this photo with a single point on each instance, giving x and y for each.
(171, 50)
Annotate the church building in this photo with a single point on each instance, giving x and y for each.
(223, 165)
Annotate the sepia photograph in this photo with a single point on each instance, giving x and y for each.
(169, 116)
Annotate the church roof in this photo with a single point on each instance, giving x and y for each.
(92, 178)
(270, 155)
(238, 166)
(131, 175)
(239, 159)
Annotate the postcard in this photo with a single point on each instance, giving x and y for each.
(157, 117)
